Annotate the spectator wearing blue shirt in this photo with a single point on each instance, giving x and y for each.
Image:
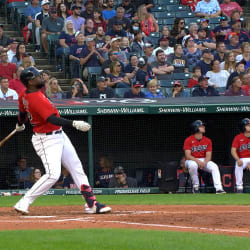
(135, 91)
(76, 19)
(208, 8)
(221, 30)
(31, 12)
(75, 53)
(202, 41)
(205, 63)
(220, 52)
(90, 56)
(236, 27)
(154, 90)
(234, 44)
(117, 30)
(109, 12)
(178, 90)
(204, 89)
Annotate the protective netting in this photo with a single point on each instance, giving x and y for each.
(139, 143)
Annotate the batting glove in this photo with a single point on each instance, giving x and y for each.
(20, 128)
(81, 125)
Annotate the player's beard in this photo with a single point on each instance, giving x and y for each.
(40, 85)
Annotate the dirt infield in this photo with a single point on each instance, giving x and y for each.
(229, 220)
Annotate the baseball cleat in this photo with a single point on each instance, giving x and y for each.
(196, 190)
(239, 191)
(220, 191)
(98, 208)
(21, 211)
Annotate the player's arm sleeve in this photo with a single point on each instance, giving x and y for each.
(59, 121)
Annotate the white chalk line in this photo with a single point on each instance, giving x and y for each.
(93, 220)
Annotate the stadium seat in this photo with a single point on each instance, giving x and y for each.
(221, 90)
(20, 19)
(160, 15)
(181, 76)
(154, 37)
(166, 83)
(185, 14)
(167, 2)
(13, 6)
(119, 92)
(214, 20)
(93, 73)
(177, 8)
(168, 92)
(189, 20)
(158, 9)
(168, 21)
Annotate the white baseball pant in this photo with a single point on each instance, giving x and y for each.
(210, 167)
(54, 150)
(239, 172)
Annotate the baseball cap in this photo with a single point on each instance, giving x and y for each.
(204, 20)
(163, 38)
(34, 70)
(232, 34)
(44, 2)
(87, 2)
(74, 6)
(115, 39)
(137, 84)
(240, 62)
(52, 10)
(14, 40)
(119, 170)
(223, 18)
(78, 33)
(148, 45)
(177, 83)
(89, 39)
(206, 51)
(101, 79)
(201, 29)
(201, 78)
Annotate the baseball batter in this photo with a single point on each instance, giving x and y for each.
(241, 152)
(198, 154)
(51, 144)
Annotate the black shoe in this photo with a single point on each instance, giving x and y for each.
(220, 191)
(196, 190)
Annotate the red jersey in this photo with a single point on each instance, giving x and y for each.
(198, 148)
(39, 109)
(8, 71)
(246, 88)
(192, 83)
(17, 85)
(242, 145)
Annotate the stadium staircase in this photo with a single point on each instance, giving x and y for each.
(40, 58)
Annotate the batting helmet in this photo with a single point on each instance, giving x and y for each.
(194, 126)
(243, 124)
(29, 74)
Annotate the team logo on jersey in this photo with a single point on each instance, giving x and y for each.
(199, 148)
(244, 147)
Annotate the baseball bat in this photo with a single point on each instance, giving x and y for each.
(7, 137)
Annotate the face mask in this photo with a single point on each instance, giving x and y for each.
(135, 28)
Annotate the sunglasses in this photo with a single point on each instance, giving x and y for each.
(177, 86)
(181, 22)
(118, 65)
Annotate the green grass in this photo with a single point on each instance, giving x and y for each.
(119, 239)
(153, 199)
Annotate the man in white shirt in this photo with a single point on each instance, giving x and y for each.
(5, 92)
(12, 51)
(164, 45)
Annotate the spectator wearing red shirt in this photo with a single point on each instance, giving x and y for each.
(7, 70)
(227, 7)
(194, 80)
(16, 84)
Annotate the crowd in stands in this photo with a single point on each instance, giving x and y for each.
(139, 53)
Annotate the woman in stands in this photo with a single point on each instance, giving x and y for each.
(98, 20)
(190, 51)
(20, 54)
(62, 11)
(178, 90)
(147, 21)
(54, 90)
(179, 30)
(137, 45)
(193, 30)
(245, 54)
(116, 78)
(235, 88)
(229, 63)
(217, 76)
(78, 88)
(166, 33)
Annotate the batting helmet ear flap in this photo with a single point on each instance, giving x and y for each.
(243, 124)
(194, 126)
